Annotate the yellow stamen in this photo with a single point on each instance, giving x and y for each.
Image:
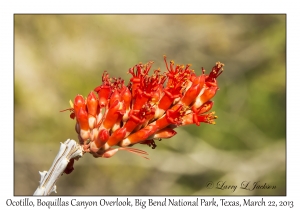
(71, 104)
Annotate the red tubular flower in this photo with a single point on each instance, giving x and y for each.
(115, 110)
(101, 139)
(92, 104)
(165, 133)
(147, 109)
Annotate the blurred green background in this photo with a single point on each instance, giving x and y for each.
(59, 56)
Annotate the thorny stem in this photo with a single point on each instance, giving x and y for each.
(68, 150)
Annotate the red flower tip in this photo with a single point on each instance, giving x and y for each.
(103, 92)
(165, 133)
(92, 104)
(82, 117)
(116, 137)
(147, 109)
(102, 138)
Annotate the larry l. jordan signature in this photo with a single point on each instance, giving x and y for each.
(245, 185)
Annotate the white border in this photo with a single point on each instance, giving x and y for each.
(8, 8)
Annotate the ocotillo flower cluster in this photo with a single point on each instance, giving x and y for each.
(114, 116)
